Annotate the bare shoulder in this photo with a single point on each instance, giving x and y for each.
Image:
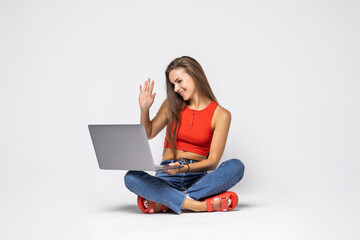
(222, 113)
(221, 116)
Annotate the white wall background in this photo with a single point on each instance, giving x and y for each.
(287, 70)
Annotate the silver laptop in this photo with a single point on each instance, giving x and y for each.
(123, 147)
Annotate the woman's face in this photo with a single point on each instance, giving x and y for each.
(183, 83)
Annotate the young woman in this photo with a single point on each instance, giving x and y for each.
(197, 129)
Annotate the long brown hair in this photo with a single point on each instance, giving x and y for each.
(175, 102)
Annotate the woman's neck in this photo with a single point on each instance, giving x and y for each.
(198, 102)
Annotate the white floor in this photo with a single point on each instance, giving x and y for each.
(99, 207)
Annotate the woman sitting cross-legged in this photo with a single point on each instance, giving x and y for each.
(197, 129)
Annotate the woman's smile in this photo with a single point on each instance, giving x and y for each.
(182, 93)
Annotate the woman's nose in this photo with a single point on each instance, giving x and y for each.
(176, 88)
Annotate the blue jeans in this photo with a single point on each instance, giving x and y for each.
(171, 190)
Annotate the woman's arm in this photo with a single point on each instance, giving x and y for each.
(218, 141)
(159, 121)
(146, 99)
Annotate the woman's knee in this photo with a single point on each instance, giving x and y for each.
(238, 167)
(131, 177)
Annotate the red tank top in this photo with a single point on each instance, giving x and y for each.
(195, 131)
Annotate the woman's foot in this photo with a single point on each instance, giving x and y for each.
(222, 202)
(147, 206)
(157, 206)
(200, 206)
(217, 203)
(225, 201)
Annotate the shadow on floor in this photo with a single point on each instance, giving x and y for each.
(129, 208)
(132, 208)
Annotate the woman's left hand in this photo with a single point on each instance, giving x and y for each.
(173, 171)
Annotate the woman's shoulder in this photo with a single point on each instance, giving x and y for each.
(221, 117)
(165, 103)
(221, 112)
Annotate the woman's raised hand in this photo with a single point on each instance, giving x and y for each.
(146, 97)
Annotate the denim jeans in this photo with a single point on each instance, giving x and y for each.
(171, 190)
